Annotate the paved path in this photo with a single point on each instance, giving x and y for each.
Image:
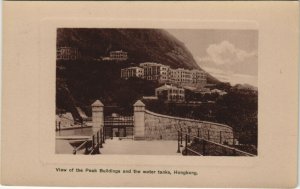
(139, 147)
(125, 146)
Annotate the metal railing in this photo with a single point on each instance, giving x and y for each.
(123, 124)
(199, 146)
(118, 121)
(92, 146)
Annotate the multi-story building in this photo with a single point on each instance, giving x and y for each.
(132, 72)
(118, 55)
(198, 78)
(164, 74)
(170, 93)
(155, 71)
(180, 76)
(67, 53)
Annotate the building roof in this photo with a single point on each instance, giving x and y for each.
(149, 63)
(198, 71)
(190, 88)
(119, 51)
(133, 67)
(150, 97)
(153, 64)
(166, 87)
(216, 90)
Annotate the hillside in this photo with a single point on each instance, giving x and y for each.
(82, 81)
(79, 84)
(142, 45)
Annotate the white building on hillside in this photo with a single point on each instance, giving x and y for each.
(67, 53)
(132, 72)
(198, 78)
(170, 93)
(155, 71)
(180, 76)
(164, 74)
(118, 55)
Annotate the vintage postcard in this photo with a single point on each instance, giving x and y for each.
(150, 94)
(141, 91)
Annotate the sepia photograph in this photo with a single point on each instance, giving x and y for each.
(181, 92)
(184, 94)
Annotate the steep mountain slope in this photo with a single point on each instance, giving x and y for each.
(142, 45)
(80, 82)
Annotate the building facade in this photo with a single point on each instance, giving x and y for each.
(132, 72)
(198, 78)
(118, 55)
(180, 76)
(184, 77)
(164, 74)
(155, 71)
(170, 93)
(67, 53)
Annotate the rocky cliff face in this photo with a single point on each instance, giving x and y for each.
(142, 45)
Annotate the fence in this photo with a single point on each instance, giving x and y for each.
(92, 146)
(198, 146)
(118, 126)
(118, 121)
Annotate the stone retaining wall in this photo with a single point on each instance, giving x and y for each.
(163, 127)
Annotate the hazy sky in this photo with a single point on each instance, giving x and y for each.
(228, 55)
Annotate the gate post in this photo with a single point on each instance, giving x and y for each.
(139, 120)
(97, 116)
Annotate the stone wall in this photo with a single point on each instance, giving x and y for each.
(163, 127)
